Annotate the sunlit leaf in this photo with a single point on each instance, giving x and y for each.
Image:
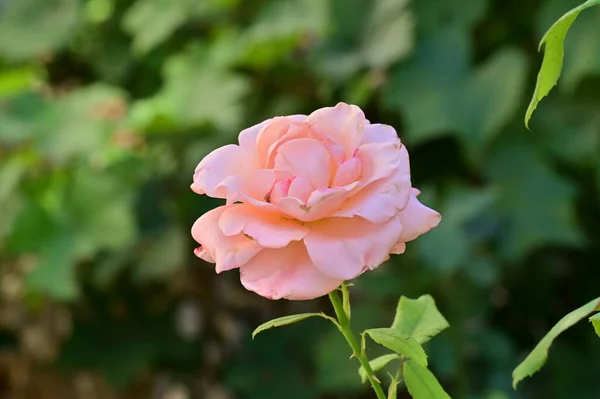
(402, 344)
(376, 364)
(536, 359)
(553, 43)
(421, 383)
(419, 318)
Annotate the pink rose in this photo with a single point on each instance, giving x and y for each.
(311, 201)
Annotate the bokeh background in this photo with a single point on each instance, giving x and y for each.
(106, 107)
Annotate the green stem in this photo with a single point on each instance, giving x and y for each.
(345, 329)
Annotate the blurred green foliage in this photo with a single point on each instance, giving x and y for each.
(106, 106)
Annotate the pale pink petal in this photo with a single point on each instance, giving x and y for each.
(306, 158)
(286, 273)
(379, 133)
(230, 160)
(300, 188)
(348, 172)
(255, 184)
(342, 247)
(379, 201)
(321, 203)
(269, 229)
(227, 252)
(380, 160)
(343, 123)
(271, 133)
(247, 137)
(417, 219)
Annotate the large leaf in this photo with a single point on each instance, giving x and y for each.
(553, 42)
(536, 359)
(30, 28)
(595, 319)
(419, 318)
(421, 383)
(402, 344)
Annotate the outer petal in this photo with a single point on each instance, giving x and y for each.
(379, 201)
(252, 184)
(247, 137)
(227, 252)
(380, 160)
(230, 160)
(417, 219)
(306, 158)
(343, 123)
(269, 229)
(379, 133)
(286, 273)
(344, 248)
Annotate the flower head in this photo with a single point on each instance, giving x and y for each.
(311, 201)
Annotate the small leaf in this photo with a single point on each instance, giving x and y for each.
(376, 364)
(419, 318)
(402, 344)
(595, 319)
(552, 63)
(282, 321)
(421, 383)
(536, 359)
(346, 300)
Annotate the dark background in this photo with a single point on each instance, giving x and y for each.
(106, 106)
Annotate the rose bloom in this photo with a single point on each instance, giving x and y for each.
(311, 201)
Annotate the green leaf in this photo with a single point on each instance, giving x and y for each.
(595, 319)
(536, 359)
(402, 344)
(283, 321)
(49, 25)
(421, 383)
(553, 42)
(376, 364)
(419, 318)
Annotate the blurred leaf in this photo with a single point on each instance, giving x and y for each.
(283, 321)
(54, 274)
(80, 124)
(553, 41)
(389, 33)
(595, 319)
(535, 202)
(15, 81)
(421, 383)
(536, 359)
(419, 318)
(153, 21)
(164, 256)
(376, 364)
(49, 25)
(434, 15)
(402, 344)
(98, 11)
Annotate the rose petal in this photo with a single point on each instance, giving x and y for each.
(305, 158)
(300, 188)
(247, 137)
(379, 201)
(230, 160)
(380, 160)
(271, 133)
(343, 123)
(286, 273)
(417, 219)
(342, 248)
(255, 184)
(348, 172)
(379, 133)
(320, 204)
(228, 252)
(269, 229)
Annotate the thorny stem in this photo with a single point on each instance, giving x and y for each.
(346, 330)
